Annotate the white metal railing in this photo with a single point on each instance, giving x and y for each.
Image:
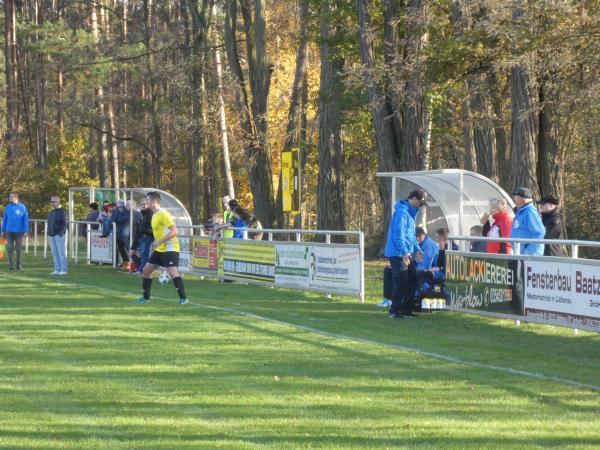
(573, 244)
(40, 228)
(298, 234)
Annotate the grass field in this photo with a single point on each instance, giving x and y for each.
(246, 367)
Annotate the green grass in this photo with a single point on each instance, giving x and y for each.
(82, 367)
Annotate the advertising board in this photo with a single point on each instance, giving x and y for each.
(101, 248)
(484, 283)
(318, 267)
(565, 294)
(252, 260)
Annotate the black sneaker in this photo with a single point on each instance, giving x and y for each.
(394, 316)
(409, 315)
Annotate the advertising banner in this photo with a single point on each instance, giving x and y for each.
(566, 294)
(204, 255)
(484, 283)
(185, 255)
(253, 260)
(319, 267)
(101, 248)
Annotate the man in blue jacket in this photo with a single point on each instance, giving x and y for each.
(400, 246)
(15, 225)
(527, 222)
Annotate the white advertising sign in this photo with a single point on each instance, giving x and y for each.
(101, 247)
(185, 255)
(563, 293)
(323, 268)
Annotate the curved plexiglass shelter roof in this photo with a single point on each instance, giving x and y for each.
(168, 201)
(456, 198)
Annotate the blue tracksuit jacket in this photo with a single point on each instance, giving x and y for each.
(401, 238)
(528, 224)
(15, 219)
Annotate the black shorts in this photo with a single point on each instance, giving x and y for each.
(164, 259)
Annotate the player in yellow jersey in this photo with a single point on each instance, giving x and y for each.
(165, 250)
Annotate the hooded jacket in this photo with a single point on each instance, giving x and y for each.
(143, 228)
(430, 251)
(401, 240)
(15, 219)
(528, 224)
(500, 229)
(553, 223)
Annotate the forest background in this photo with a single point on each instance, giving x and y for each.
(200, 98)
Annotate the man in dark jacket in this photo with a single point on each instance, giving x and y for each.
(143, 237)
(553, 222)
(122, 217)
(92, 216)
(57, 227)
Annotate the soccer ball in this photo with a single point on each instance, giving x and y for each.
(164, 278)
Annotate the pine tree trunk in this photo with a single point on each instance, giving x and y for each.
(196, 157)
(382, 115)
(484, 136)
(40, 93)
(112, 142)
(10, 61)
(259, 74)
(255, 129)
(149, 7)
(292, 134)
(413, 107)
(330, 187)
(523, 123)
(551, 158)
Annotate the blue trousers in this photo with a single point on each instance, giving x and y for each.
(404, 281)
(57, 245)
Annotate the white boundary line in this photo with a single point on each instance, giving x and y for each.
(439, 356)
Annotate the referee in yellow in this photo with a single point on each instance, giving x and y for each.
(165, 250)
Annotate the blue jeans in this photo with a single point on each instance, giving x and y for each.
(145, 242)
(57, 245)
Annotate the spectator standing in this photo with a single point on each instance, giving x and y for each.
(143, 236)
(553, 223)
(235, 221)
(477, 246)
(121, 216)
(497, 224)
(15, 226)
(400, 245)
(92, 215)
(527, 222)
(57, 227)
(228, 214)
(249, 220)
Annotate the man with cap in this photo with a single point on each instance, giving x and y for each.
(553, 222)
(400, 246)
(527, 222)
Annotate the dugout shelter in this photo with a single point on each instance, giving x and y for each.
(456, 198)
(93, 194)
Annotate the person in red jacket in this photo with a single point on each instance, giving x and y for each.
(498, 223)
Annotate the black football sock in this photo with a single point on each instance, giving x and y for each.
(178, 282)
(146, 285)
